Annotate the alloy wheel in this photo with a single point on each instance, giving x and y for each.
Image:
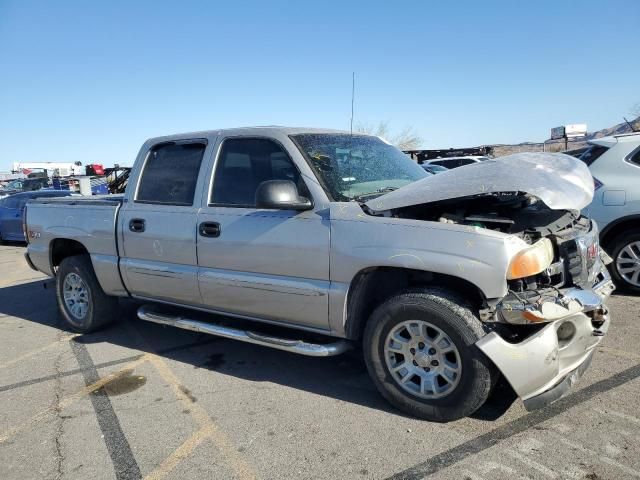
(422, 359)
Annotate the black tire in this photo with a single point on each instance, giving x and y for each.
(455, 319)
(101, 307)
(618, 243)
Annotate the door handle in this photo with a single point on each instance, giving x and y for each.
(209, 229)
(136, 225)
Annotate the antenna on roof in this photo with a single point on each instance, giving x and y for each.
(353, 94)
(628, 123)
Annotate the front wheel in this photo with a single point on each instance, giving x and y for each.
(420, 351)
(83, 304)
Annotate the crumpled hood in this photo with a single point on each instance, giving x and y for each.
(562, 182)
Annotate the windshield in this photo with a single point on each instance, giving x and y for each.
(14, 185)
(353, 166)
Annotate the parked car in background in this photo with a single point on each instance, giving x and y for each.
(455, 162)
(12, 210)
(24, 185)
(615, 165)
(434, 168)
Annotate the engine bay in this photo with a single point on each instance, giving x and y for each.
(514, 213)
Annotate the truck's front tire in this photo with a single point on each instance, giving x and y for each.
(83, 304)
(419, 350)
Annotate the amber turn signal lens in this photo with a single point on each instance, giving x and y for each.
(532, 260)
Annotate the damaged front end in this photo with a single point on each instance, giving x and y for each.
(543, 332)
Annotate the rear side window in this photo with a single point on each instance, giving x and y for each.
(243, 164)
(592, 153)
(635, 157)
(170, 174)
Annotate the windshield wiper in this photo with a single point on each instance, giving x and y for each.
(377, 193)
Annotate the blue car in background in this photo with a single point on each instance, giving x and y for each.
(12, 210)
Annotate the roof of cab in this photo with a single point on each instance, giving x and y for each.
(267, 130)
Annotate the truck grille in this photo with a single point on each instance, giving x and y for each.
(570, 252)
(580, 253)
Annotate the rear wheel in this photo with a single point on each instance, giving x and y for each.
(83, 304)
(625, 268)
(419, 350)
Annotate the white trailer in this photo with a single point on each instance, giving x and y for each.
(64, 169)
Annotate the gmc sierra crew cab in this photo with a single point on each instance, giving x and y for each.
(338, 239)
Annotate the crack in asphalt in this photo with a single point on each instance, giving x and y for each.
(57, 391)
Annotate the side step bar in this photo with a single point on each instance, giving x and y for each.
(295, 346)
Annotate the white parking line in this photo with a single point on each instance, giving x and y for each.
(547, 472)
(623, 416)
(593, 454)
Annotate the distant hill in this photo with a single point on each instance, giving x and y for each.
(558, 145)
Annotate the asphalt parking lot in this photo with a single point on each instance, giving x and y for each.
(140, 400)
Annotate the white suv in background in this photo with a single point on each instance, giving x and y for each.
(615, 165)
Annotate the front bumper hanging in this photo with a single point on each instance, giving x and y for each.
(544, 366)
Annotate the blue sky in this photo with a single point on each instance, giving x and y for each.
(90, 81)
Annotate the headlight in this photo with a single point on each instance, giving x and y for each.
(532, 260)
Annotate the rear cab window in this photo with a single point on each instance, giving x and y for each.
(170, 173)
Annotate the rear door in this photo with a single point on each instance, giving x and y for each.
(264, 263)
(158, 224)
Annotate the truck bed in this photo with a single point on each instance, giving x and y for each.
(82, 223)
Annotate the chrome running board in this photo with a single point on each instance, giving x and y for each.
(296, 346)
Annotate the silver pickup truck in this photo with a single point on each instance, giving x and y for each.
(332, 240)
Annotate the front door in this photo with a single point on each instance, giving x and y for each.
(270, 264)
(159, 225)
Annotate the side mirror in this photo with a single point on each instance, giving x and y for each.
(282, 195)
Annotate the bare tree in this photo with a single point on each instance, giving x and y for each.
(635, 110)
(405, 139)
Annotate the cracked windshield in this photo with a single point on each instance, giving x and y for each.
(354, 167)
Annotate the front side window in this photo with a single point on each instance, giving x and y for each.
(170, 174)
(243, 164)
(357, 166)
